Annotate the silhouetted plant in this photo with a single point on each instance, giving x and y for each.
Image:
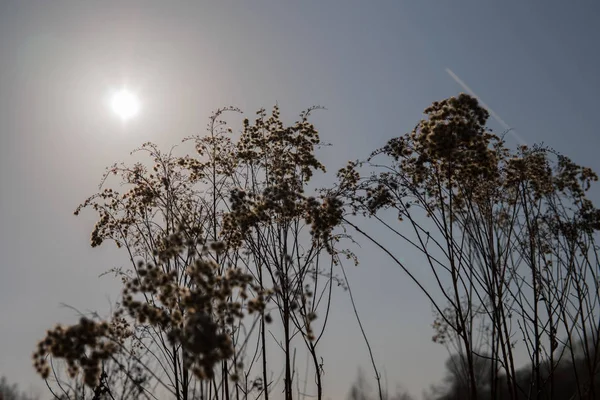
(121, 377)
(286, 231)
(220, 241)
(196, 269)
(508, 236)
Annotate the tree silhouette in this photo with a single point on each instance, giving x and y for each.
(361, 390)
(12, 392)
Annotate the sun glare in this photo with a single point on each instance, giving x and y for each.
(125, 104)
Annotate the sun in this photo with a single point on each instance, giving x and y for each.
(125, 104)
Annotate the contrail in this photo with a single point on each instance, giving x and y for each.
(492, 112)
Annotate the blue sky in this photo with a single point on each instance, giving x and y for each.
(374, 65)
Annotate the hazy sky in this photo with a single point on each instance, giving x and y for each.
(374, 64)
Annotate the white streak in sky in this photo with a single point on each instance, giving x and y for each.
(492, 112)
